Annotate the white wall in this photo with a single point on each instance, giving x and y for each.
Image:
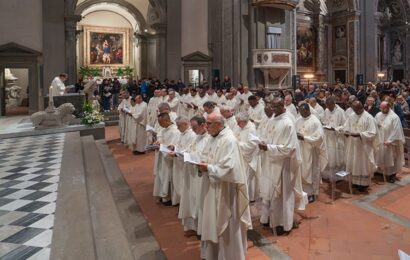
(21, 22)
(194, 35)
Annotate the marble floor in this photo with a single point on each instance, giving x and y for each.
(29, 177)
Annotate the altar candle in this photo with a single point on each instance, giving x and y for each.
(50, 93)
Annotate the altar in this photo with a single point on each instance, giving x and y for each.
(77, 99)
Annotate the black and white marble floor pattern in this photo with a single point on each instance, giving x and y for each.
(29, 176)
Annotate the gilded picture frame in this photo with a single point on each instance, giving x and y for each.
(106, 46)
(305, 46)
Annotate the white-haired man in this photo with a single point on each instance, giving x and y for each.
(226, 213)
(250, 153)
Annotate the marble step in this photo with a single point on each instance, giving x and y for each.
(72, 232)
(110, 238)
(140, 237)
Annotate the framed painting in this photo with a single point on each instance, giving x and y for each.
(305, 44)
(106, 46)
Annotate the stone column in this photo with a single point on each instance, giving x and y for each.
(321, 48)
(70, 47)
(251, 46)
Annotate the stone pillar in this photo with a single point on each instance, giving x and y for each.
(53, 41)
(251, 45)
(70, 48)
(174, 39)
(321, 48)
(367, 41)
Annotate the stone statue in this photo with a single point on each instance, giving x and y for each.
(89, 89)
(52, 118)
(397, 55)
(13, 96)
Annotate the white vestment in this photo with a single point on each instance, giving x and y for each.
(313, 150)
(137, 133)
(360, 160)
(292, 109)
(250, 152)
(281, 183)
(348, 112)
(184, 140)
(163, 169)
(58, 86)
(334, 141)
(256, 113)
(231, 123)
(122, 123)
(212, 98)
(221, 100)
(319, 111)
(190, 207)
(226, 213)
(152, 110)
(233, 103)
(173, 104)
(390, 158)
(182, 109)
(245, 104)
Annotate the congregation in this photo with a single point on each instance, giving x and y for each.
(219, 150)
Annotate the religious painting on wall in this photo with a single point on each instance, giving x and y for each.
(397, 52)
(106, 46)
(305, 48)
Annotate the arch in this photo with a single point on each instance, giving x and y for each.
(124, 4)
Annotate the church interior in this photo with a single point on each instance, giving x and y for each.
(282, 126)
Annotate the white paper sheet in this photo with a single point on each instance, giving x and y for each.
(191, 158)
(254, 139)
(151, 147)
(342, 174)
(327, 127)
(126, 110)
(164, 148)
(149, 128)
(179, 152)
(403, 255)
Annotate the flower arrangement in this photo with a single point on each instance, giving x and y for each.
(91, 116)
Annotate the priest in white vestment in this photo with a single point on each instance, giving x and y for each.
(244, 106)
(280, 184)
(334, 118)
(163, 170)
(221, 99)
(211, 96)
(314, 157)
(318, 110)
(255, 110)
(232, 101)
(228, 113)
(192, 104)
(390, 153)
(138, 137)
(124, 108)
(250, 153)
(349, 109)
(190, 207)
(226, 213)
(173, 101)
(58, 84)
(360, 130)
(209, 108)
(290, 107)
(184, 140)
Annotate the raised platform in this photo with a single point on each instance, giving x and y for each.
(23, 127)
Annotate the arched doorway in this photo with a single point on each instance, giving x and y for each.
(117, 26)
